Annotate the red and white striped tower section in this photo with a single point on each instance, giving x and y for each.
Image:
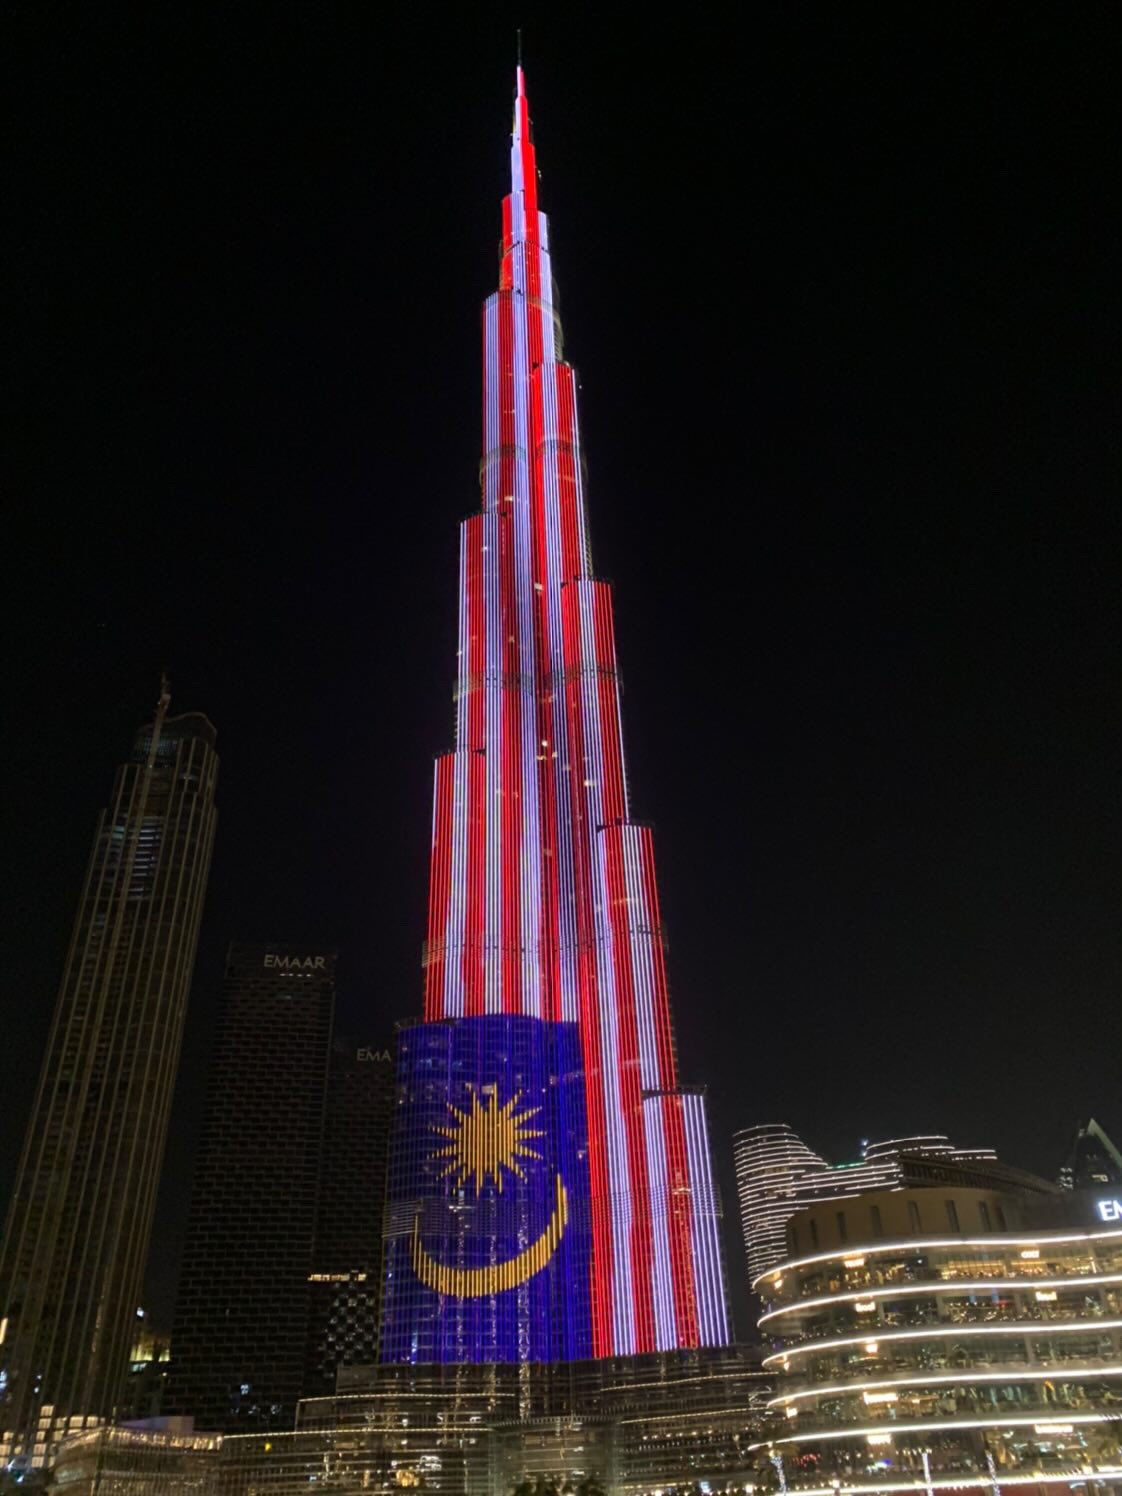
(543, 897)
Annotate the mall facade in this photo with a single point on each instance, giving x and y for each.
(933, 1339)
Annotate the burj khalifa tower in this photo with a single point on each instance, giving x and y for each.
(551, 1189)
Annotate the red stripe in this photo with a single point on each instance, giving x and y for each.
(510, 805)
(679, 1217)
(440, 886)
(506, 279)
(680, 1205)
(604, 1224)
(472, 604)
(475, 886)
(614, 801)
(547, 745)
(600, 654)
(474, 810)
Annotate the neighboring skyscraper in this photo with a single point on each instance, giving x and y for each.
(777, 1174)
(769, 1159)
(1093, 1160)
(552, 1190)
(241, 1313)
(346, 1277)
(75, 1241)
(281, 1275)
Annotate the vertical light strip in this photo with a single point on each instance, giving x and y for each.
(557, 752)
(712, 1317)
(592, 771)
(666, 1323)
(454, 937)
(533, 987)
(654, 1133)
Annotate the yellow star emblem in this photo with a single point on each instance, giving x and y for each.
(485, 1140)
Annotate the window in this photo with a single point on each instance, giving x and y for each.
(952, 1215)
(984, 1215)
(841, 1226)
(913, 1217)
(814, 1235)
(1001, 1226)
(793, 1240)
(874, 1216)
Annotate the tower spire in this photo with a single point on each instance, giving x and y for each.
(523, 164)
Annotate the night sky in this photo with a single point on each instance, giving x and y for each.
(840, 285)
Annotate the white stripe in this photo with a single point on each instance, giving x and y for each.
(708, 1278)
(666, 1322)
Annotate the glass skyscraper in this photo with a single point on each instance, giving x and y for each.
(80, 1216)
(281, 1275)
(551, 1189)
(241, 1310)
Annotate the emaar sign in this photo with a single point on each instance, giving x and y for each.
(1109, 1210)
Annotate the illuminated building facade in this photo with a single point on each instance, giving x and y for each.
(777, 1175)
(80, 1215)
(345, 1283)
(544, 912)
(1093, 1161)
(137, 1462)
(674, 1421)
(238, 1343)
(936, 1339)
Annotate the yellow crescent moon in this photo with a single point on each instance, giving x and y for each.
(482, 1282)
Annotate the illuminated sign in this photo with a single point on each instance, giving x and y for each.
(296, 963)
(1109, 1210)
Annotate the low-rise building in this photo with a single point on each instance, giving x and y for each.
(935, 1339)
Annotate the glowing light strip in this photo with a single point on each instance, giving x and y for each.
(1038, 1327)
(990, 1286)
(1079, 1373)
(658, 1178)
(457, 898)
(533, 988)
(995, 1243)
(666, 1323)
(932, 1426)
(708, 1274)
(557, 751)
(954, 1481)
(618, 1161)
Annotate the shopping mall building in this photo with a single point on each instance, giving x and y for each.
(929, 1339)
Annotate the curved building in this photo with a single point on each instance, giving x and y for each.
(777, 1174)
(930, 1338)
(770, 1160)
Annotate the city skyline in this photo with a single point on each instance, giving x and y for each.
(902, 667)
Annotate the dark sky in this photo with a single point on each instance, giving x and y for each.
(841, 288)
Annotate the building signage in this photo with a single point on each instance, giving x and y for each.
(297, 963)
(372, 1054)
(1109, 1210)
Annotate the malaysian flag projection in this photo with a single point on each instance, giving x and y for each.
(543, 906)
